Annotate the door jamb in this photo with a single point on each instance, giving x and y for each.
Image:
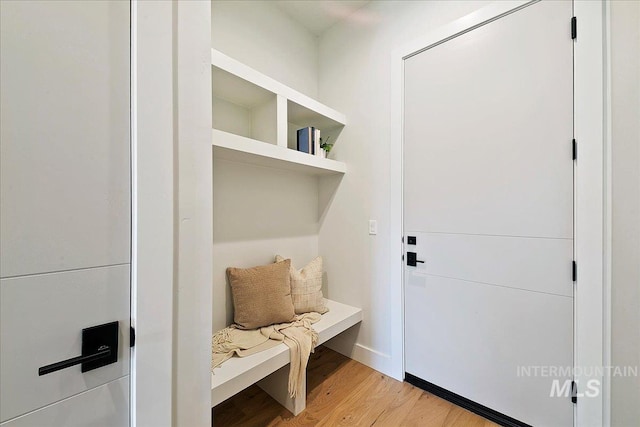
(152, 221)
(591, 216)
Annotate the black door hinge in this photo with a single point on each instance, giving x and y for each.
(402, 239)
(574, 271)
(574, 392)
(574, 28)
(575, 149)
(132, 336)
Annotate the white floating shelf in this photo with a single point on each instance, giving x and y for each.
(237, 148)
(255, 119)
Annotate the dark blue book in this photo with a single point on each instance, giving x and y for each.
(305, 140)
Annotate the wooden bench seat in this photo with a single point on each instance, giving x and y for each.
(270, 368)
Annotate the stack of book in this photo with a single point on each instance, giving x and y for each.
(309, 141)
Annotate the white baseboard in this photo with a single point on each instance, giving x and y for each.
(379, 361)
(374, 359)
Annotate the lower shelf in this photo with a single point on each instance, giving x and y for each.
(238, 373)
(237, 148)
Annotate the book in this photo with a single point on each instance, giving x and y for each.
(305, 140)
(316, 142)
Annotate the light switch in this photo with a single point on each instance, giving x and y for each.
(373, 226)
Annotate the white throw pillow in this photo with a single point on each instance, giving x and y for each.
(306, 287)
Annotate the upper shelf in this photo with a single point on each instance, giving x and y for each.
(245, 86)
(240, 149)
(256, 118)
(232, 88)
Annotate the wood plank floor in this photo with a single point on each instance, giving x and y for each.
(341, 391)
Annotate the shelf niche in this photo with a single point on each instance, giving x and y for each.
(256, 118)
(299, 116)
(242, 108)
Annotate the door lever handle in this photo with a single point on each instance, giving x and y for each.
(412, 259)
(103, 352)
(99, 348)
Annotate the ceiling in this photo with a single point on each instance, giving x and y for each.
(318, 15)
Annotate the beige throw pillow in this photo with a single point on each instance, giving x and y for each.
(261, 295)
(306, 287)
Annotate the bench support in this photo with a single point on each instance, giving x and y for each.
(276, 386)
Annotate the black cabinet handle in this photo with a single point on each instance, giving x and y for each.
(103, 352)
(99, 348)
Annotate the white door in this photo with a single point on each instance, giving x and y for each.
(65, 210)
(488, 196)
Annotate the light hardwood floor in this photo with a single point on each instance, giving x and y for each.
(341, 391)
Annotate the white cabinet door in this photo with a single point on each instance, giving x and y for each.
(102, 406)
(488, 195)
(41, 319)
(65, 132)
(64, 208)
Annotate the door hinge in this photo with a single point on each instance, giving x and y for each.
(574, 272)
(574, 149)
(402, 238)
(574, 392)
(132, 336)
(574, 28)
(402, 257)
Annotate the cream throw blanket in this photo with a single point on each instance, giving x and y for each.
(298, 335)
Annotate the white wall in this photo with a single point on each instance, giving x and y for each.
(355, 74)
(625, 144)
(261, 36)
(265, 211)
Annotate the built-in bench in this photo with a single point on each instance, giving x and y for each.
(270, 368)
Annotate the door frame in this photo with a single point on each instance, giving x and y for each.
(171, 213)
(592, 208)
(152, 213)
